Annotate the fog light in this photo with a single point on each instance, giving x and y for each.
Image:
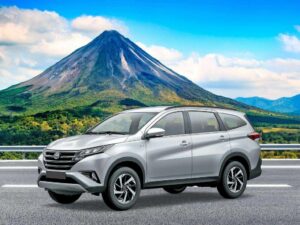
(92, 175)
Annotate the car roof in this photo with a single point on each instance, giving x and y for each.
(175, 108)
(148, 109)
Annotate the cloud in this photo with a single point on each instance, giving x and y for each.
(16, 66)
(60, 46)
(31, 40)
(291, 43)
(26, 26)
(97, 24)
(235, 77)
(166, 55)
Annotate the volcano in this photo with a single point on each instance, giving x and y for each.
(110, 71)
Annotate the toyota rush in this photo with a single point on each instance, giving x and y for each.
(153, 147)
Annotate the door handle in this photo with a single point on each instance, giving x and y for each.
(222, 138)
(184, 143)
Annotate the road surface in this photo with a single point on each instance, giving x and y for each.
(273, 198)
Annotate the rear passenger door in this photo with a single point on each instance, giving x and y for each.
(238, 130)
(210, 143)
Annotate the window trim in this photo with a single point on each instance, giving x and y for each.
(220, 123)
(227, 128)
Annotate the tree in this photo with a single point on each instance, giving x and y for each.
(64, 128)
(45, 126)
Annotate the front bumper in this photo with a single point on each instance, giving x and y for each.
(75, 182)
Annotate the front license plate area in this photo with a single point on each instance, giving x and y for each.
(56, 175)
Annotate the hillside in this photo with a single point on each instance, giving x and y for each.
(289, 105)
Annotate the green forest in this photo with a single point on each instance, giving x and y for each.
(42, 128)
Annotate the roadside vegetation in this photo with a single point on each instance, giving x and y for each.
(43, 128)
(280, 155)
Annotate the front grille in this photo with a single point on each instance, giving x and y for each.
(65, 161)
(68, 180)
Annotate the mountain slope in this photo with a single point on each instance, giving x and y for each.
(283, 105)
(108, 70)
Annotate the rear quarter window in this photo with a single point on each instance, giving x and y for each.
(232, 121)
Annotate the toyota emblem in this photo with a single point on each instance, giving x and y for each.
(56, 155)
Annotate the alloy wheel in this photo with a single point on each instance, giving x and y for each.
(125, 188)
(235, 179)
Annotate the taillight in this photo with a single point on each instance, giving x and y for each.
(254, 136)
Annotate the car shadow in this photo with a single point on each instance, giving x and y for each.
(83, 205)
(148, 201)
(180, 199)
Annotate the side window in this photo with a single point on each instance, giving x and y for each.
(202, 122)
(172, 123)
(231, 121)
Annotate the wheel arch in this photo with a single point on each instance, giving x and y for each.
(127, 162)
(236, 156)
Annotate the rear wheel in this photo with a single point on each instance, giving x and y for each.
(175, 189)
(63, 199)
(123, 189)
(234, 180)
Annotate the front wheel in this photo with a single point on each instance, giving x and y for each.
(123, 189)
(233, 181)
(175, 189)
(63, 199)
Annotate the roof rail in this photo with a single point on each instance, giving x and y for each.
(198, 106)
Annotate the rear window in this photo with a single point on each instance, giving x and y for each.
(202, 122)
(232, 121)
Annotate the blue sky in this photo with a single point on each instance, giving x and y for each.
(205, 26)
(233, 33)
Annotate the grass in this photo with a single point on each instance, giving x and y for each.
(280, 154)
(278, 129)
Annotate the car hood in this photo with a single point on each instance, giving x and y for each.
(86, 141)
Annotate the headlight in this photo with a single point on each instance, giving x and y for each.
(91, 151)
(44, 151)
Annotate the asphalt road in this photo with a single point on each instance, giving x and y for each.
(273, 198)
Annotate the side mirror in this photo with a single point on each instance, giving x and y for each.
(155, 132)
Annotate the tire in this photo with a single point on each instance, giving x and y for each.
(63, 199)
(123, 189)
(175, 189)
(235, 185)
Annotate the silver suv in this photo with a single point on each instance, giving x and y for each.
(168, 147)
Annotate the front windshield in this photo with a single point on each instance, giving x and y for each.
(123, 123)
